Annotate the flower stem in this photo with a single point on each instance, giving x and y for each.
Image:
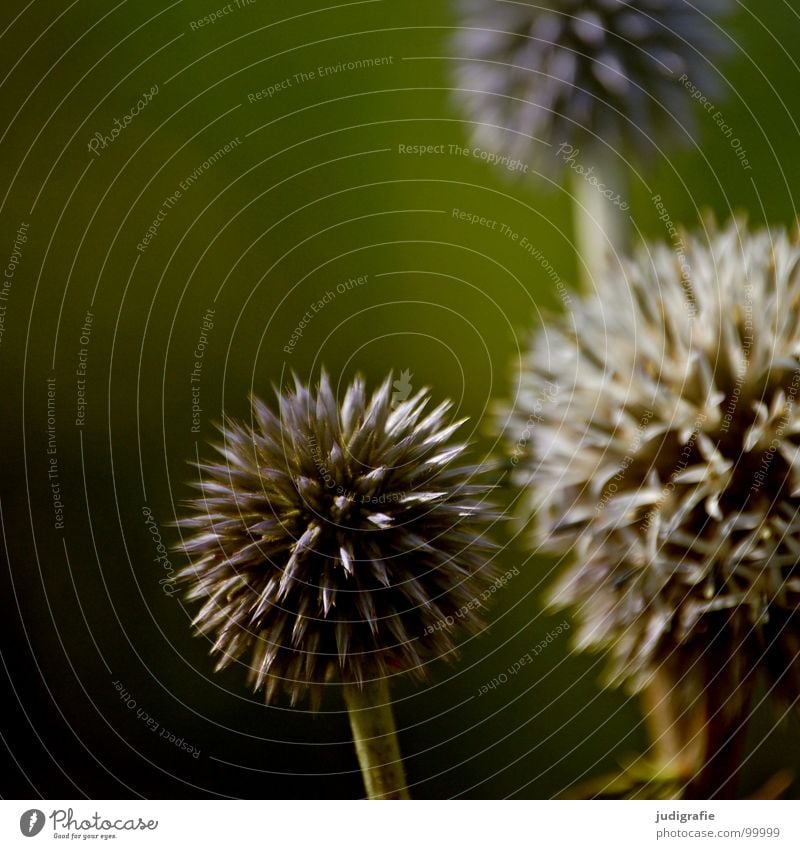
(601, 224)
(676, 729)
(702, 743)
(668, 749)
(726, 732)
(375, 738)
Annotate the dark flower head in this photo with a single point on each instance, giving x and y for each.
(666, 454)
(534, 75)
(332, 542)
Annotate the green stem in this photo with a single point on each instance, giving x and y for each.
(676, 729)
(375, 738)
(602, 228)
(667, 748)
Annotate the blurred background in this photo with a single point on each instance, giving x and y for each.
(262, 159)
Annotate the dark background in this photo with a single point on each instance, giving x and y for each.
(317, 192)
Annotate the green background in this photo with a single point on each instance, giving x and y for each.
(316, 192)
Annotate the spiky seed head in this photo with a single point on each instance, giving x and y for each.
(338, 542)
(657, 435)
(590, 73)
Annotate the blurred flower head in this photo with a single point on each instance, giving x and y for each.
(666, 456)
(593, 73)
(333, 541)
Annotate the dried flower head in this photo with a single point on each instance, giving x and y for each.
(666, 453)
(332, 541)
(584, 72)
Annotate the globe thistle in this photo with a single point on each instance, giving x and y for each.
(591, 73)
(658, 436)
(333, 542)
